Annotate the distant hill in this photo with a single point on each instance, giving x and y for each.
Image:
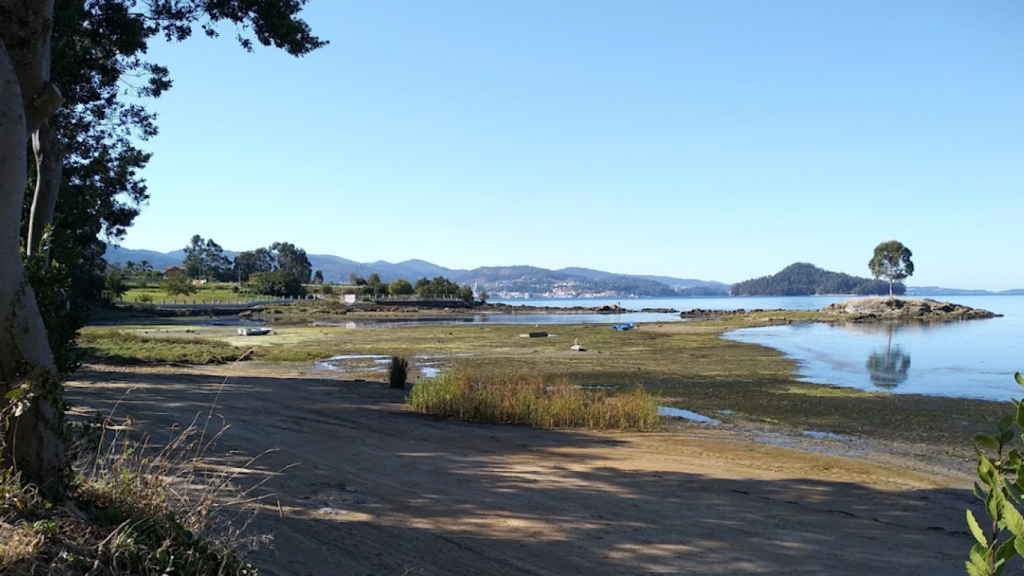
(520, 281)
(802, 279)
(507, 281)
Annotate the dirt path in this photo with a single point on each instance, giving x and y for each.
(382, 491)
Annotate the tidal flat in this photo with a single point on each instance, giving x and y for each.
(686, 364)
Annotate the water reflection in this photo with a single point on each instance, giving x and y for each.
(888, 367)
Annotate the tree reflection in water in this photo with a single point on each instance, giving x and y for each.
(888, 368)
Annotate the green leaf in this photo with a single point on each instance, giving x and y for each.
(1005, 551)
(1019, 378)
(1004, 423)
(977, 563)
(986, 441)
(1014, 521)
(1020, 415)
(1018, 545)
(979, 491)
(987, 472)
(976, 530)
(992, 504)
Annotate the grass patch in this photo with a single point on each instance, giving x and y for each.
(534, 401)
(118, 347)
(132, 509)
(208, 292)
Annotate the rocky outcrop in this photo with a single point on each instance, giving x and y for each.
(710, 314)
(869, 309)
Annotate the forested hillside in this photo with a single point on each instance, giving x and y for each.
(802, 279)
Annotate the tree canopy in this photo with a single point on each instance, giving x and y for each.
(88, 56)
(891, 261)
(205, 259)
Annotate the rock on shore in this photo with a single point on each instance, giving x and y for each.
(866, 309)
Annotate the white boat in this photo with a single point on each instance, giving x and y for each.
(253, 331)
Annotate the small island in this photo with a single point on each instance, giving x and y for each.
(886, 309)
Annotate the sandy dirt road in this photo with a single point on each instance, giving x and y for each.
(378, 490)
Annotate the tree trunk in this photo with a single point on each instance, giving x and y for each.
(32, 427)
(49, 167)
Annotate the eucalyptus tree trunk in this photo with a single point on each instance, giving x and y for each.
(49, 167)
(32, 422)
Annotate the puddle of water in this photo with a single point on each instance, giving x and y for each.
(844, 447)
(379, 363)
(352, 362)
(686, 415)
(825, 436)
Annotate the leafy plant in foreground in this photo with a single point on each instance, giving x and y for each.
(1001, 488)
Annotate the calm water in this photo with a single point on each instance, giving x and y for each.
(973, 359)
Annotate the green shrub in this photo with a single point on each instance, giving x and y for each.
(398, 372)
(531, 400)
(1001, 488)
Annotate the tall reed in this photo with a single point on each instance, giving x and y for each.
(526, 399)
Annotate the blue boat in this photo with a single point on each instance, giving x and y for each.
(626, 326)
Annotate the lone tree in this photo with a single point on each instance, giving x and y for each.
(891, 262)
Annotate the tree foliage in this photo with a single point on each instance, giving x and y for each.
(892, 262)
(292, 260)
(88, 55)
(253, 261)
(802, 279)
(276, 283)
(443, 287)
(178, 284)
(400, 287)
(205, 259)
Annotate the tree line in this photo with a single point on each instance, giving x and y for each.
(438, 287)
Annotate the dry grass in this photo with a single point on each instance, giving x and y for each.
(531, 400)
(134, 508)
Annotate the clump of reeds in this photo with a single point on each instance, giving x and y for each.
(534, 401)
(398, 372)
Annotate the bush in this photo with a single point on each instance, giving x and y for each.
(177, 283)
(398, 372)
(531, 400)
(1001, 486)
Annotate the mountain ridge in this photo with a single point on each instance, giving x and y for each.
(518, 281)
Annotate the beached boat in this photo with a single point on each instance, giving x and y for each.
(253, 331)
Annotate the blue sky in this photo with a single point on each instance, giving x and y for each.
(701, 139)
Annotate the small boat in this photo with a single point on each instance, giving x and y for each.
(253, 331)
(626, 326)
(577, 347)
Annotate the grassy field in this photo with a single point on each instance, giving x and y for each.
(207, 292)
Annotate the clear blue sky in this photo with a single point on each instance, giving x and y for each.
(701, 139)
